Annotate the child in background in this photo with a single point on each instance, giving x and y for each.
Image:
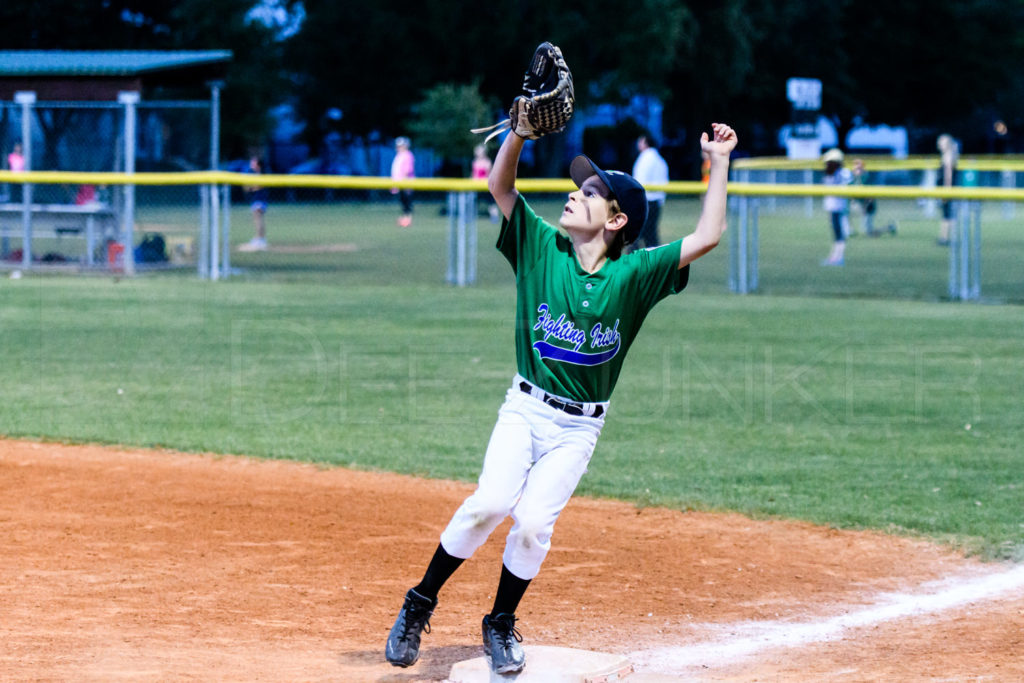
(949, 156)
(838, 207)
(868, 205)
(481, 171)
(403, 168)
(257, 197)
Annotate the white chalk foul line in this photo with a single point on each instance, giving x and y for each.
(749, 638)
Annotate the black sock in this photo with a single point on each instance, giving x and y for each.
(510, 591)
(441, 567)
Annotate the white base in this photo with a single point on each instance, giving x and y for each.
(546, 664)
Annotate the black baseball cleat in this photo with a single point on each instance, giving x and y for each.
(403, 648)
(501, 644)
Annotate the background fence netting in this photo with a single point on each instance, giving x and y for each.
(346, 227)
(79, 223)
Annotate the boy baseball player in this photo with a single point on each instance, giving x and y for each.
(580, 304)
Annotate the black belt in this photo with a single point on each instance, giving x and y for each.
(564, 406)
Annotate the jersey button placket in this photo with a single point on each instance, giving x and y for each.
(589, 286)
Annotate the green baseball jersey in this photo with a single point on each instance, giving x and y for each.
(573, 328)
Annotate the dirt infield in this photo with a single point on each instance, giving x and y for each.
(144, 565)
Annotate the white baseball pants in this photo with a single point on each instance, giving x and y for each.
(535, 458)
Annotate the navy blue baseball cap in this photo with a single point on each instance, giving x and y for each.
(624, 188)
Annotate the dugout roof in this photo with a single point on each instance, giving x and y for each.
(102, 74)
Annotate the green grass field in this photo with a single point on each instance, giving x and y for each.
(852, 397)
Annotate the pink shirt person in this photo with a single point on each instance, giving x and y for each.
(403, 168)
(15, 160)
(481, 163)
(404, 165)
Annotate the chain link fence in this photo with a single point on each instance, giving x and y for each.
(348, 228)
(78, 225)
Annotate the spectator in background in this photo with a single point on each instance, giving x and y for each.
(705, 167)
(86, 195)
(15, 162)
(257, 197)
(403, 168)
(481, 170)
(868, 205)
(949, 155)
(481, 163)
(838, 208)
(650, 169)
(705, 173)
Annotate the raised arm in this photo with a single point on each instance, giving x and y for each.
(712, 221)
(502, 181)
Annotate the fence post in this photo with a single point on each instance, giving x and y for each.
(214, 232)
(471, 248)
(965, 253)
(976, 251)
(733, 279)
(26, 99)
(755, 242)
(225, 235)
(215, 88)
(215, 195)
(461, 238)
(460, 247)
(203, 259)
(453, 210)
(809, 201)
(954, 252)
(741, 264)
(964, 225)
(1008, 179)
(739, 250)
(130, 100)
(744, 244)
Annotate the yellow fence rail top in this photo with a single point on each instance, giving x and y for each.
(241, 180)
(882, 163)
(554, 185)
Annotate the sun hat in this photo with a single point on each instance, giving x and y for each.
(833, 154)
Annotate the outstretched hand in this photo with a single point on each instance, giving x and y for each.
(724, 142)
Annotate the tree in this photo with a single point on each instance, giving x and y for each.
(376, 60)
(254, 82)
(951, 64)
(939, 67)
(443, 119)
(712, 72)
(376, 67)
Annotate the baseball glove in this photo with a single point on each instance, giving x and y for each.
(548, 100)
